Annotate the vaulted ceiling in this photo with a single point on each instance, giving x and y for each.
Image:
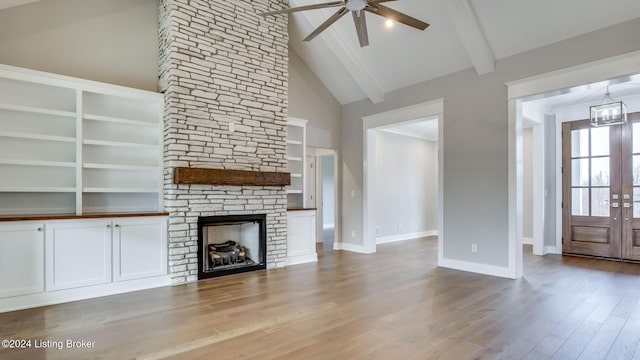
(463, 34)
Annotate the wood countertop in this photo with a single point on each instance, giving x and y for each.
(302, 209)
(74, 216)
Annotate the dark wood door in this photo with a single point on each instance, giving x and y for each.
(591, 163)
(631, 188)
(601, 189)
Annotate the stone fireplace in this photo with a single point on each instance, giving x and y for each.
(224, 71)
(231, 244)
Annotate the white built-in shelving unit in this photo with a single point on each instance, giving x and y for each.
(75, 146)
(296, 158)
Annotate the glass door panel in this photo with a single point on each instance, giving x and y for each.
(592, 187)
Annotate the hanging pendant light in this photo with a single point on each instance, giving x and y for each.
(609, 112)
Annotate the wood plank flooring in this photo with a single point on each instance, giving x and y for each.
(395, 304)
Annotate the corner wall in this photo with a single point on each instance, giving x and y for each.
(406, 195)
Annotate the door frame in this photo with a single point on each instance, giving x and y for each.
(371, 123)
(318, 153)
(601, 70)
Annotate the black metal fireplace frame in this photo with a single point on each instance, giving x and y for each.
(261, 219)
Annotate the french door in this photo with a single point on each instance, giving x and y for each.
(601, 189)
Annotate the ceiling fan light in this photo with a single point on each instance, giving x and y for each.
(389, 23)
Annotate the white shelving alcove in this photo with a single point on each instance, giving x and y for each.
(74, 146)
(81, 193)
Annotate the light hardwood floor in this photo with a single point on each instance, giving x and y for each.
(394, 304)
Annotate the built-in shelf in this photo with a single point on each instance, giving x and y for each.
(118, 143)
(119, 120)
(37, 163)
(119, 190)
(33, 136)
(296, 156)
(43, 189)
(119, 167)
(73, 145)
(36, 110)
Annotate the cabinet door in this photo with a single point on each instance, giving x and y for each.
(21, 259)
(140, 248)
(78, 254)
(301, 237)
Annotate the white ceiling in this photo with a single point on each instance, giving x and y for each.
(463, 34)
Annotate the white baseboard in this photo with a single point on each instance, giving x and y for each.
(302, 259)
(82, 293)
(403, 237)
(328, 226)
(550, 249)
(351, 247)
(527, 240)
(484, 269)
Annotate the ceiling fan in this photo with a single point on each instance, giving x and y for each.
(358, 9)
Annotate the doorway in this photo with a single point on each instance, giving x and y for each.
(322, 195)
(601, 187)
(371, 124)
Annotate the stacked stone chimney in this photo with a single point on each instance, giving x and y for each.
(224, 71)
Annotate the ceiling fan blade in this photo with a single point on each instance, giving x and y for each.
(361, 27)
(396, 16)
(378, 1)
(307, 7)
(340, 13)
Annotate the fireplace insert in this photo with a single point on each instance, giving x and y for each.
(231, 244)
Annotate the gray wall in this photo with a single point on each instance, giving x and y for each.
(328, 190)
(406, 184)
(475, 141)
(309, 99)
(527, 183)
(550, 208)
(114, 41)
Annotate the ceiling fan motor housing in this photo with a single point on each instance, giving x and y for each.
(356, 5)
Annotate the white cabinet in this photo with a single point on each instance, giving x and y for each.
(54, 261)
(78, 254)
(301, 237)
(77, 146)
(21, 259)
(140, 248)
(296, 158)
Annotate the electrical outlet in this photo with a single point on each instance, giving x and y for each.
(353, 233)
(474, 248)
(399, 226)
(378, 231)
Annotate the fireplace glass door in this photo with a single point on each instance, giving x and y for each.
(231, 244)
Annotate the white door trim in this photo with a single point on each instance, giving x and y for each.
(371, 123)
(601, 70)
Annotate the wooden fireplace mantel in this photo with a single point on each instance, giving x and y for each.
(203, 176)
